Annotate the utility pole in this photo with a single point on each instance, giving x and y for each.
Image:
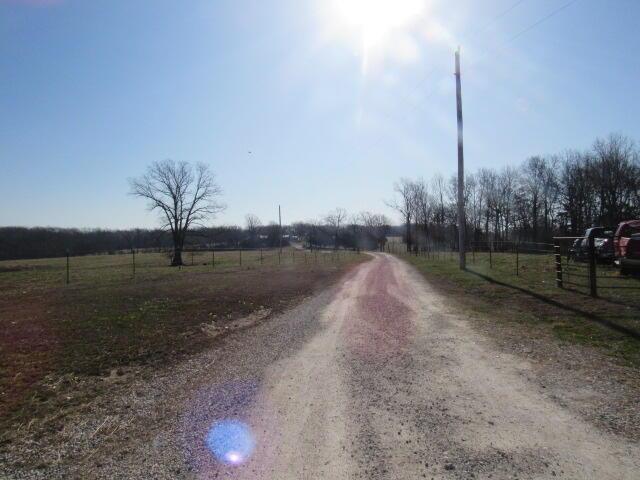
(461, 219)
(280, 222)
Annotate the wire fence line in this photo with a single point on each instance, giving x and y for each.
(540, 263)
(586, 267)
(101, 268)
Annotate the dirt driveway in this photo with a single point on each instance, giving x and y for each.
(379, 377)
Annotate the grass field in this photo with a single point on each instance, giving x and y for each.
(106, 321)
(109, 269)
(610, 322)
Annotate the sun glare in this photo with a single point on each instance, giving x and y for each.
(376, 20)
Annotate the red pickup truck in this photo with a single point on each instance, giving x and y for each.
(626, 245)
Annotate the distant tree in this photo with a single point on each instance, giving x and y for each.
(253, 224)
(422, 206)
(614, 169)
(534, 173)
(334, 221)
(404, 205)
(273, 234)
(439, 189)
(355, 227)
(183, 194)
(377, 226)
(577, 196)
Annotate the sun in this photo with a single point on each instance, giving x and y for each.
(376, 20)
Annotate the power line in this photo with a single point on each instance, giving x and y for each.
(542, 20)
(524, 31)
(405, 97)
(430, 72)
(494, 19)
(416, 104)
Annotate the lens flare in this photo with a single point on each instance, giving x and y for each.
(377, 19)
(230, 441)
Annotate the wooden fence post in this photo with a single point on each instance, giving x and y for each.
(558, 256)
(593, 287)
(240, 250)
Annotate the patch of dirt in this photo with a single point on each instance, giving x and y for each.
(110, 340)
(215, 328)
(28, 345)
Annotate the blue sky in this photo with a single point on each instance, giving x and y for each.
(334, 103)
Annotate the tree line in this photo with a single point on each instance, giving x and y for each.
(339, 229)
(46, 242)
(545, 196)
(335, 230)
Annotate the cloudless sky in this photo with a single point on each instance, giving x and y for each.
(333, 104)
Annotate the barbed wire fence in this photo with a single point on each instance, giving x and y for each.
(556, 263)
(155, 262)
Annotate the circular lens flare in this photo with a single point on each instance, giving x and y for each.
(230, 441)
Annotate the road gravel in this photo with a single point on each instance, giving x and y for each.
(379, 377)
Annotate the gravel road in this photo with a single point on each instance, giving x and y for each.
(379, 377)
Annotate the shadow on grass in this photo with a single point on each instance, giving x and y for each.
(591, 316)
(605, 298)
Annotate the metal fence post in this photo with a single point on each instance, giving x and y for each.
(260, 255)
(133, 260)
(592, 268)
(240, 251)
(558, 256)
(517, 259)
(213, 259)
(67, 267)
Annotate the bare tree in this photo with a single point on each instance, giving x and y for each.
(576, 194)
(334, 220)
(542, 197)
(614, 169)
(404, 205)
(487, 182)
(378, 227)
(532, 185)
(507, 184)
(355, 225)
(253, 225)
(422, 212)
(439, 187)
(183, 194)
(274, 234)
